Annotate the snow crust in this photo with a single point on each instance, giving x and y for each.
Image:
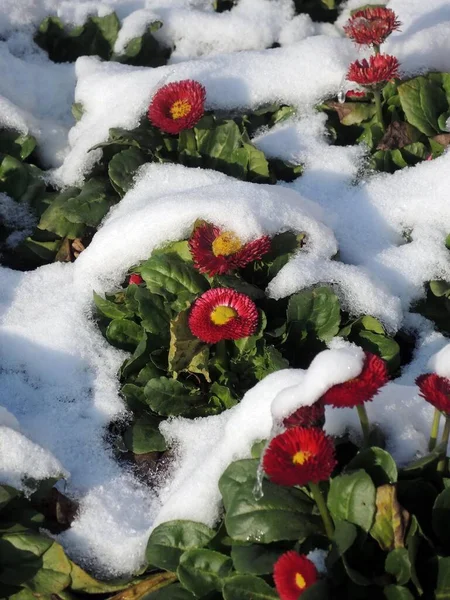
(58, 381)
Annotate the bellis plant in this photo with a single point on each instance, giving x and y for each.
(293, 574)
(436, 390)
(216, 252)
(202, 330)
(371, 26)
(361, 389)
(223, 314)
(177, 106)
(386, 113)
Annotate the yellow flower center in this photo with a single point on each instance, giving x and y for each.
(180, 109)
(300, 581)
(301, 457)
(221, 315)
(225, 244)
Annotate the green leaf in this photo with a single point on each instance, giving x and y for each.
(345, 534)
(13, 177)
(315, 310)
(352, 498)
(353, 113)
(171, 592)
(202, 571)
(223, 395)
(170, 540)
(54, 575)
(124, 334)
(397, 592)
(169, 273)
(398, 564)
(382, 345)
(218, 142)
(111, 310)
(7, 493)
(85, 583)
(90, 205)
(256, 559)
(184, 346)
(28, 558)
(424, 465)
(280, 514)
(258, 166)
(145, 50)
(442, 591)
(54, 217)
(17, 145)
(122, 168)
(152, 310)
(378, 463)
(441, 516)
(422, 101)
(144, 436)
(96, 36)
(440, 288)
(140, 357)
(391, 520)
(247, 587)
(269, 362)
(240, 285)
(77, 110)
(169, 397)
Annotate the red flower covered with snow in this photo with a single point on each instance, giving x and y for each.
(299, 456)
(377, 70)
(307, 416)
(293, 573)
(216, 252)
(360, 389)
(135, 278)
(177, 106)
(223, 314)
(352, 94)
(435, 390)
(372, 25)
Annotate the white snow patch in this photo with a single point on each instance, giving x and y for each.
(27, 460)
(327, 369)
(440, 362)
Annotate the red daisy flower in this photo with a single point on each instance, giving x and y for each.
(371, 25)
(299, 456)
(216, 252)
(379, 69)
(135, 278)
(361, 389)
(293, 573)
(356, 94)
(436, 390)
(223, 314)
(307, 416)
(177, 106)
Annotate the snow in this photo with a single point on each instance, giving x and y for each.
(440, 362)
(27, 461)
(58, 377)
(328, 368)
(16, 217)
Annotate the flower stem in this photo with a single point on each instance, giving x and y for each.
(442, 464)
(434, 430)
(376, 49)
(379, 111)
(321, 505)
(364, 419)
(222, 354)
